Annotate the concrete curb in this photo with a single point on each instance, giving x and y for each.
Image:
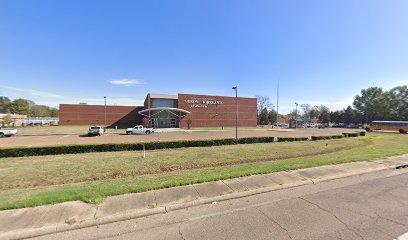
(376, 166)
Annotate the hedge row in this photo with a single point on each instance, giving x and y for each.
(72, 149)
(292, 139)
(354, 134)
(362, 133)
(315, 138)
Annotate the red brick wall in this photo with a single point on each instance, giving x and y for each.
(77, 114)
(217, 115)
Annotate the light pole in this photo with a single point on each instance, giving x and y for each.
(277, 103)
(296, 115)
(105, 109)
(236, 114)
(273, 110)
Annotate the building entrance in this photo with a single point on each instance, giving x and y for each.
(164, 117)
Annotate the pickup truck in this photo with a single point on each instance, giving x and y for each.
(96, 131)
(7, 132)
(139, 129)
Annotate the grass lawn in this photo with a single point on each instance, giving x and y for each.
(32, 181)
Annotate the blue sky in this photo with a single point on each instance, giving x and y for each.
(323, 52)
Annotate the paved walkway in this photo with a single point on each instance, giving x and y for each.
(37, 221)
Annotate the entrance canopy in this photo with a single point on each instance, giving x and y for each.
(155, 111)
(164, 117)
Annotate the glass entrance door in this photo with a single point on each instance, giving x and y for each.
(164, 123)
(155, 123)
(172, 123)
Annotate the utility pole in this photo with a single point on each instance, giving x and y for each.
(236, 114)
(105, 109)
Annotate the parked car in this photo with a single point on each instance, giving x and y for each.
(310, 125)
(139, 129)
(7, 132)
(323, 125)
(351, 125)
(281, 125)
(96, 131)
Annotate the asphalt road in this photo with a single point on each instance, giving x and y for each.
(371, 206)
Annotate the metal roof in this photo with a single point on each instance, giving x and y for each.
(163, 96)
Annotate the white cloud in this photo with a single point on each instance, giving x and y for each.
(403, 82)
(33, 92)
(126, 82)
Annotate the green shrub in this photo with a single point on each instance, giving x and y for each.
(362, 133)
(255, 140)
(315, 138)
(354, 134)
(292, 139)
(72, 149)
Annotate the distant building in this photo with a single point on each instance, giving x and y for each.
(41, 121)
(18, 120)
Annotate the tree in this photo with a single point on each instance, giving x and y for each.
(294, 114)
(314, 112)
(263, 117)
(373, 104)
(5, 105)
(272, 116)
(7, 120)
(54, 112)
(346, 115)
(335, 117)
(324, 114)
(306, 110)
(40, 111)
(262, 102)
(21, 106)
(189, 122)
(398, 102)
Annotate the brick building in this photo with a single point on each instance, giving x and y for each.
(166, 111)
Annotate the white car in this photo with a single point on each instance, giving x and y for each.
(96, 131)
(139, 129)
(7, 132)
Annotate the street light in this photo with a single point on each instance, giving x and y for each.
(105, 109)
(236, 114)
(296, 114)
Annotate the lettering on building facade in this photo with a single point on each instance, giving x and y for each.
(202, 102)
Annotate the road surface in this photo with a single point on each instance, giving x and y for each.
(371, 206)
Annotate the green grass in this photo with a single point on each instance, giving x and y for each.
(33, 181)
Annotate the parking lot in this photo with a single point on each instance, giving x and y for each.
(65, 137)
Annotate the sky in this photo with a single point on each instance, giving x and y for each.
(321, 52)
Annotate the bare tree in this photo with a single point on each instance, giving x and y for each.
(189, 122)
(262, 103)
(306, 109)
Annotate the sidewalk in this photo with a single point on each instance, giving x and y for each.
(37, 221)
